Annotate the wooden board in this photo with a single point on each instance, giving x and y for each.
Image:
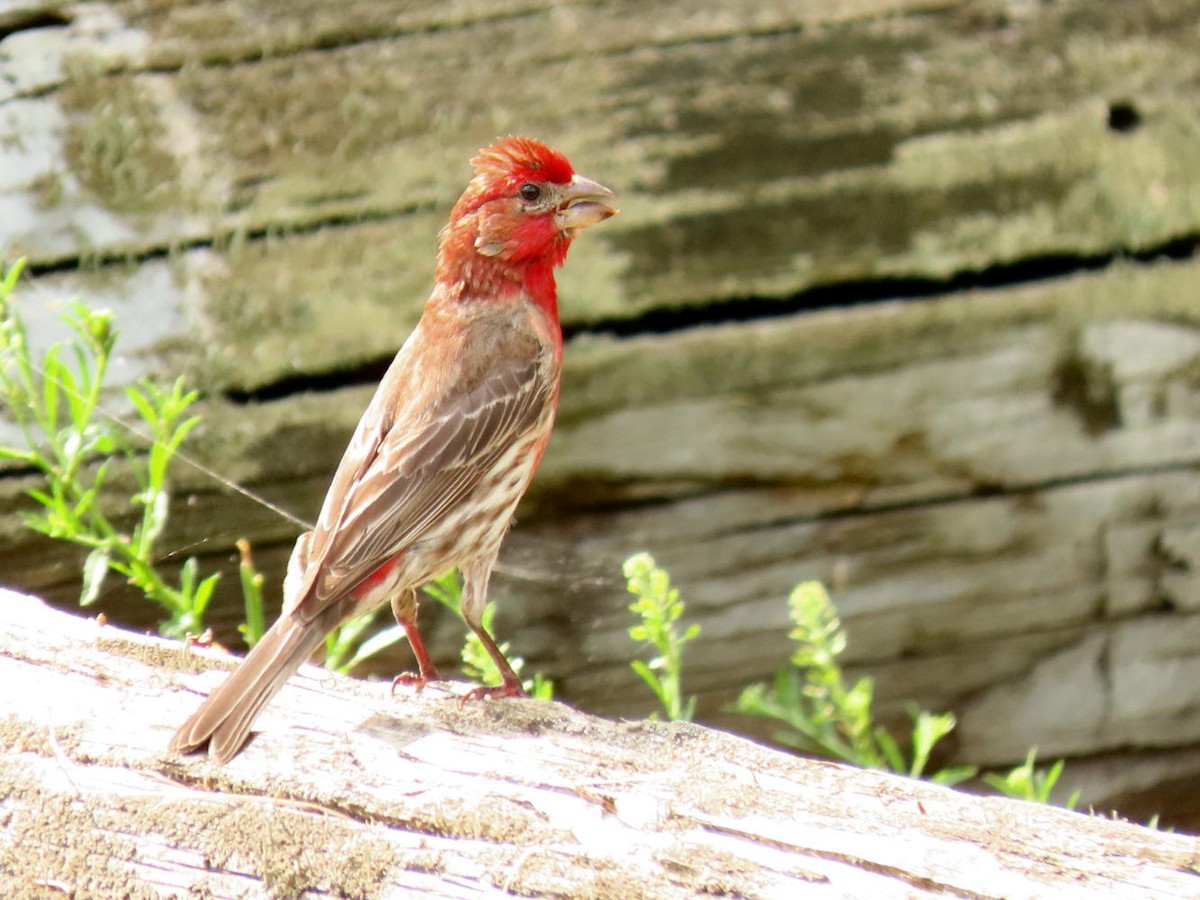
(348, 792)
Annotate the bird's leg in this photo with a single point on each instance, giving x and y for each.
(405, 608)
(474, 596)
(512, 683)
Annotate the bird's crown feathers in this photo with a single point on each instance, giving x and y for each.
(508, 161)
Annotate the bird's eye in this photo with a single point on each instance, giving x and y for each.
(529, 192)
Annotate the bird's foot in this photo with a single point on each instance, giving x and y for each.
(413, 680)
(508, 689)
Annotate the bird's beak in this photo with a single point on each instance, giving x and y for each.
(584, 202)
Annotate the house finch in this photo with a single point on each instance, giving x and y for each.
(449, 442)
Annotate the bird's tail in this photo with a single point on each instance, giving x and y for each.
(223, 721)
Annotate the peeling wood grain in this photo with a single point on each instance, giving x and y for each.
(984, 437)
(484, 800)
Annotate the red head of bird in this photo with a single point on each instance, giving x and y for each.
(516, 219)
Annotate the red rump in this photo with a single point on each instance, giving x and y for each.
(378, 577)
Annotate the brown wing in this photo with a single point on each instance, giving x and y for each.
(403, 471)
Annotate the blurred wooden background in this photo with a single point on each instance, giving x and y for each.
(903, 296)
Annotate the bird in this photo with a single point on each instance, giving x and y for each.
(446, 447)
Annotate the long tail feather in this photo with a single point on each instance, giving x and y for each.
(223, 721)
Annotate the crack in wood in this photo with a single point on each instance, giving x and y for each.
(336, 40)
(737, 310)
(32, 19)
(857, 862)
(122, 258)
(330, 41)
(844, 294)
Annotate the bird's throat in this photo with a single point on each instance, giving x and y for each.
(542, 289)
(474, 278)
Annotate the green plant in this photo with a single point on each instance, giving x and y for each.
(659, 610)
(72, 444)
(347, 646)
(826, 717)
(1025, 782)
(255, 625)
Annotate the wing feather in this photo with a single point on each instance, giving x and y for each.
(400, 477)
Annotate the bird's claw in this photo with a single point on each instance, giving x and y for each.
(492, 693)
(412, 680)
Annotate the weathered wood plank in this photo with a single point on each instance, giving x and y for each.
(1018, 161)
(483, 800)
(996, 482)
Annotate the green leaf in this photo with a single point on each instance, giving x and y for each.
(377, 643)
(251, 580)
(142, 404)
(24, 456)
(50, 384)
(647, 675)
(540, 687)
(1026, 782)
(158, 508)
(203, 595)
(182, 430)
(892, 755)
(10, 278)
(78, 402)
(95, 568)
(1045, 781)
(928, 729)
(856, 704)
(341, 641)
(688, 712)
(37, 522)
(447, 590)
(952, 775)
(187, 578)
